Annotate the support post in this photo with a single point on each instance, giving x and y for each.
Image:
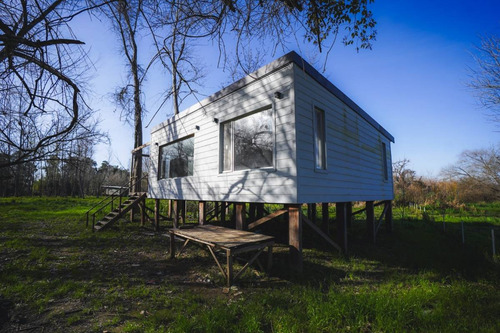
(216, 210)
(388, 216)
(223, 212)
(370, 221)
(240, 216)
(348, 209)
(252, 208)
(260, 211)
(142, 207)
(341, 225)
(295, 237)
(175, 213)
(311, 209)
(325, 217)
(157, 215)
(202, 212)
(183, 204)
(169, 214)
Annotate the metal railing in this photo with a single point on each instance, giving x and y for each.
(111, 200)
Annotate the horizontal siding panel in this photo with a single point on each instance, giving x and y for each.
(354, 151)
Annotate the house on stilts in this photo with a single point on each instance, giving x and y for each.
(283, 135)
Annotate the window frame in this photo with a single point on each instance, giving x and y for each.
(324, 161)
(231, 121)
(159, 176)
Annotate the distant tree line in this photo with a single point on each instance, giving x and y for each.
(475, 177)
(56, 176)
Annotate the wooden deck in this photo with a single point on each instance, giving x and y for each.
(231, 241)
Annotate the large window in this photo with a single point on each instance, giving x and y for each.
(319, 139)
(176, 159)
(248, 142)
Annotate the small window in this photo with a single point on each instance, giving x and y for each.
(248, 142)
(319, 139)
(384, 161)
(176, 159)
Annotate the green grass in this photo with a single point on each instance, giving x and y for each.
(57, 276)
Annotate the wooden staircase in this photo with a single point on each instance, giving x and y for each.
(133, 201)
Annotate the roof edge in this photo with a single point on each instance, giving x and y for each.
(291, 57)
(311, 71)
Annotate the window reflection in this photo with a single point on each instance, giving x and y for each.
(176, 159)
(248, 142)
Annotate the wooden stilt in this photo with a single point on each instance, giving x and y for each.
(252, 210)
(216, 210)
(370, 221)
(223, 212)
(260, 211)
(183, 204)
(142, 208)
(325, 217)
(240, 216)
(175, 212)
(295, 237)
(349, 215)
(169, 214)
(388, 215)
(202, 212)
(342, 225)
(157, 215)
(311, 212)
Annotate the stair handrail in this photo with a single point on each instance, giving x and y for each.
(128, 186)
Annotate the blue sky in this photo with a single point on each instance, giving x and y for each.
(413, 82)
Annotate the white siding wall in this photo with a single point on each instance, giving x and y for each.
(354, 149)
(207, 183)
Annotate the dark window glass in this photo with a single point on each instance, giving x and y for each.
(227, 145)
(248, 142)
(384, 161)
(319, 139)
(176, 159)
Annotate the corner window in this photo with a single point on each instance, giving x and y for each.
(384, 161)
(319, 139)
(176, 159)
(248, 142)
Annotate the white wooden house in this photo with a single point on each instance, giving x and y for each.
(284, 134)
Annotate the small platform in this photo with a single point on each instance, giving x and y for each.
(231, 241)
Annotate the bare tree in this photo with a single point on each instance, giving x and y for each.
(173, 26)
(486, 78)
(126, 18)
(480, 167)
(41, 63)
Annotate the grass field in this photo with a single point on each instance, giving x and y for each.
(57, 276)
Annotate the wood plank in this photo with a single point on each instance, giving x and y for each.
(240, 216)
(267, 218)
(295, 237)
(222, 237)
(202, 212)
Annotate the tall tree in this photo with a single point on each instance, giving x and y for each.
(486, 78)
(40, 66)
(126, 18)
